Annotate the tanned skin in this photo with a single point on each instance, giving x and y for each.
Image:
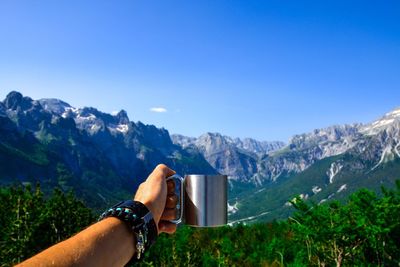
(110, 242)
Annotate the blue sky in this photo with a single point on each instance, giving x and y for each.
(262, 69)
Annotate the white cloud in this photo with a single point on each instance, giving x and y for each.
(158, 109)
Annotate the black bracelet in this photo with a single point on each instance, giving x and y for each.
(139, 219)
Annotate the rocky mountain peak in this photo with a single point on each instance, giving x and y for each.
(122, 117)
(395, 114)
(389, 121)
(54, 105)
(336, 133)
(258, 147)
(87, 111)
(97, 152)
(182, 140)
(216, 138)
(16, 99)
(232, 156)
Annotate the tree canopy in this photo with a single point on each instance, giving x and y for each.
(365, 230)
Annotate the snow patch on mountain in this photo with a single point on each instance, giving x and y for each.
(316, 189)
(334, 170)
(232, 209)
(122, 128)
(82, 117)
(259, 191)
(304, 196)
(387, 155)
(382, 123)
(342, 188)
(54, 105)
(393, 114)
(257, 180)
(68, 111)
(95, 128)
(396, 149)
(275, 177)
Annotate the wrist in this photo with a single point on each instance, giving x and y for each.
(139, 220)
(151, 208)
(124, 239)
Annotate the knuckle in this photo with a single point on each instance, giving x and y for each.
(161, 167)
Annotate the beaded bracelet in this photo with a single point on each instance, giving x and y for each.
(139, 219)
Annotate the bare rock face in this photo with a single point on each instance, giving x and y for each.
(251, 161)
(374, 143)
(86, 143)
(232, 156)
(322, 165)
(84, 138)
(333, 140)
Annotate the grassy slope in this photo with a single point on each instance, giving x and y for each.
(34, 162)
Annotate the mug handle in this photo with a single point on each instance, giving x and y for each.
(180, 203)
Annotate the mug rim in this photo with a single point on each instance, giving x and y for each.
(223, 175)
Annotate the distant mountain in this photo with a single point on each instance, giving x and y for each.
(99, 155)
(231, 156)
(326, 164)
(374, 143)
(304, 150)
(103, 157)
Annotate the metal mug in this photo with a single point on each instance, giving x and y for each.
(202, 200)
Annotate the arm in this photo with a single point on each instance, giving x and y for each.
(110, 242)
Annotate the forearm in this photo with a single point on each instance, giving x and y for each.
(109, 242)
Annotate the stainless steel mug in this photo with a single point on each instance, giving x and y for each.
(202, 200)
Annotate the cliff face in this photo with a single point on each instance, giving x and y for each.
(232, 156)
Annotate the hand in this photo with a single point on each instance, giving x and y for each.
(159, 198)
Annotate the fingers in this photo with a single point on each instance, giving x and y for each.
(167, 227)
(171, 202)
(170, 187)
(169, 214)
(163, 170)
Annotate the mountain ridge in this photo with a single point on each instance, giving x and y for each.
(234, 157)
(325, 164)
(99, 155)
(105, 156)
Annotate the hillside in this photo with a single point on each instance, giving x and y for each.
(102, 157)
(323, 165)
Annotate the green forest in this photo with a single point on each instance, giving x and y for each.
(363, 231)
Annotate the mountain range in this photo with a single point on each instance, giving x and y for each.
(103, 157)
(234, 157)
(328, 163)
